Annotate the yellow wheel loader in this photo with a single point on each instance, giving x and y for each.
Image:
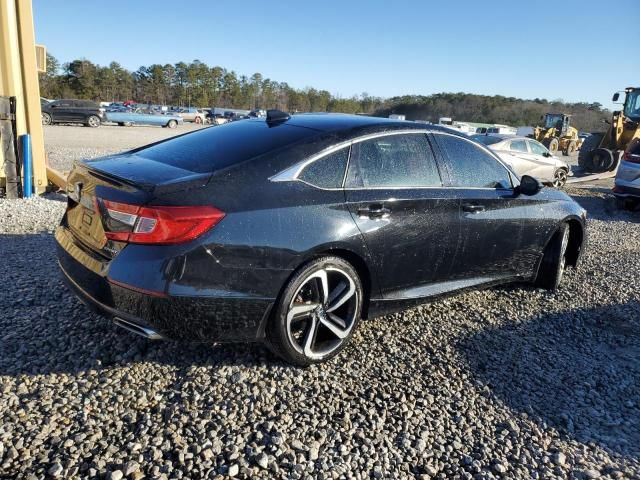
(601, 152)
(556, 133)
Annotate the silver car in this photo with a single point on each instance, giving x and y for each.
(527, 156)
(627, 183)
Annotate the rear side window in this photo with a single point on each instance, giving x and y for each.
(519, 146)
(393, 161)
(214, 148)
(328, 171)
(471, 166)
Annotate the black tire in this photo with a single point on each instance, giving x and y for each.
(317, 312)
(172, 124)
(554, 260)
(93, 121)
(46, 119)
(121, 124)
(198, 120)
(553, 145)
(560, 178)
(590, 143)
(570, 149)
(602, 160)
(624, 203)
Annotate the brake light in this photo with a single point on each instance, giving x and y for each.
(160, 225)
(631, 157)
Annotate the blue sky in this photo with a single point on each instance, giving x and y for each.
(385, 48)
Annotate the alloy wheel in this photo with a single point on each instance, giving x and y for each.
(559, 178)
(563, 253)
(322, 312)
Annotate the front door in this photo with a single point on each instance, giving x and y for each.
(409, 221)
(492, 216)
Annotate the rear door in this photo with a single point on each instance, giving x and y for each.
(61, 110)
(409, 220)
(519, 158)
(492, 216)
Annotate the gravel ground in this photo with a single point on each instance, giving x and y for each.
(66, 143)
(509, 382)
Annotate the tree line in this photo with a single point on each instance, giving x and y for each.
(197, 84)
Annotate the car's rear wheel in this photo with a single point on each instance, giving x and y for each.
(317, 312)
(46, 119)
(198, 120)
(93, 121)
(172, 124)
(554, 260)
(559, 178)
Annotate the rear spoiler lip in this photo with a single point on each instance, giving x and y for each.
(169, 186)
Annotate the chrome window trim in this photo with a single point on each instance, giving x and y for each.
(291, 174)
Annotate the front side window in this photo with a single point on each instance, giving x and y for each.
(471, 166)
(518, 146)
(327, 171)
(537, 148)
(393, 161)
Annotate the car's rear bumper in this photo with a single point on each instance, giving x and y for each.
(627, 182)
(154, 314)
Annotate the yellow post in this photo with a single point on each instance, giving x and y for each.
(19, 78)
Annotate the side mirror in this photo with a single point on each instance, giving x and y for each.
(615, 98)
(546, 154)
(528, 186)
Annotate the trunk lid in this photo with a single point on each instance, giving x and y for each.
(128, 178)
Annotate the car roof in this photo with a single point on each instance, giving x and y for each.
(501, 136)
(336, 122)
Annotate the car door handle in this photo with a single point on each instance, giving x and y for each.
(374, 211)
(472, 208)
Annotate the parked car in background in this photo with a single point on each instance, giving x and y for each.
(192, 114)
(142, 117)
(528, 157)
(290, 230)
(216, 118)
(72, 111)
(627, 182)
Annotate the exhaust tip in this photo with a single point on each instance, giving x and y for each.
(145, 332)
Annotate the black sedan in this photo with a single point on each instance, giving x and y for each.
(289, 230)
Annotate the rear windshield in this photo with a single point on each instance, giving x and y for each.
(218, 147)
(486, 139)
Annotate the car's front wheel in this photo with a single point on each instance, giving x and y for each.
(554, 260)
(172, 124)
(317, 312)
(559, 178)
(46, 119)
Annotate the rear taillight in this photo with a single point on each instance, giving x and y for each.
(631, 157)
(159, 225)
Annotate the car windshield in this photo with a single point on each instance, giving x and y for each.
(486, 139)
(632, 105)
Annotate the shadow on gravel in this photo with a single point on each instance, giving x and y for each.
(577, 371)
(604, 208)
(45, 329)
